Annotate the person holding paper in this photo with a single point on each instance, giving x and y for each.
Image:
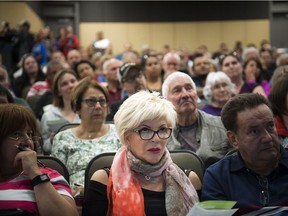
(143, 180)
(60, 112)
(257, 174)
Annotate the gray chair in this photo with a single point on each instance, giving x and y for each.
(56, 164)
(67, 126)
(186, 160)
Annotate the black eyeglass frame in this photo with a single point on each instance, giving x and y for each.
(139, 131)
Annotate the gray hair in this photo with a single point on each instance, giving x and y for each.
(143, 106)
(211, 80)
(107, 63)
(171, 54)
(171, 78)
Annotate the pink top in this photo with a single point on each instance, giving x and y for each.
(18, 192)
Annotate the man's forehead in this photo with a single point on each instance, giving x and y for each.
(180, 82)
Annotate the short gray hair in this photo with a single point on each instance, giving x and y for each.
(107, 62)
(211, 80)
(171, 78)
(142, 106)
(171, 54)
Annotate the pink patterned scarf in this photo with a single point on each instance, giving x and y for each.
(125, 194)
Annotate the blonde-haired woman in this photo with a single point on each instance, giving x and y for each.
(143, 180)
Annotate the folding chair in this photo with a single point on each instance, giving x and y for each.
(67, 126)
(188, 160)
(56, 164)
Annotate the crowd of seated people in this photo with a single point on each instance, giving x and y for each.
(89, 87)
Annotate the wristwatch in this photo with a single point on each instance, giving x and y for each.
(40, 179)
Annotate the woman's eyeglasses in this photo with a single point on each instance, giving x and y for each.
(24, 136)
(147, 134)
(93, 102)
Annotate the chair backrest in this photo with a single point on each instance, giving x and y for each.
(56, 164)
(98, 162)
(186, 160)
(67, 126)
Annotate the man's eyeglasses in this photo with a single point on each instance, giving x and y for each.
(147, 134)
(92, 102)
(17, 135)
(172, 63)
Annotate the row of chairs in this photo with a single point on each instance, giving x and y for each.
(186, 160)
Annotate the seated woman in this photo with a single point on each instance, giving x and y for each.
(254, 73)
(23, 184)
(279, 102)
(231, 65)
(217, 91)
(143, 180)
(152, 70)
(77, 146)
(60, 112)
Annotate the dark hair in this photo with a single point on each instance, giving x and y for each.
(278, 95)
(224, 56)
(23, 59)
(195, 56)
(81, 88)
(15, 117)
(5, 92)
(145, 58)
(57, 99)
(259, 66)
(238, 104)
(83, 62)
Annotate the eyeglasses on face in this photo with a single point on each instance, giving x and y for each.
(18, 135)
(147, 134)
(172, 63)
(92, 102)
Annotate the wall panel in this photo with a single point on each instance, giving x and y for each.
(178, 34)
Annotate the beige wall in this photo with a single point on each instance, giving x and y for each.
(14, 12)
(178, 34)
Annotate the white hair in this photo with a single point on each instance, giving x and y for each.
(107, 63)
(212, 79)
(143, 106)
(171, 78)
(248, 50)
(171, 54)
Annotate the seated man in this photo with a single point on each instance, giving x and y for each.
(257, 174)
(132, 80)
(195, 130)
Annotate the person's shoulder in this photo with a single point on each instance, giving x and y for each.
(223, 165)
(100, 176)
(210, 119)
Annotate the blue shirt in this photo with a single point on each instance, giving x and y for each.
(229, 179)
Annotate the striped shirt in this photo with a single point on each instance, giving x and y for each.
(18, 192)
